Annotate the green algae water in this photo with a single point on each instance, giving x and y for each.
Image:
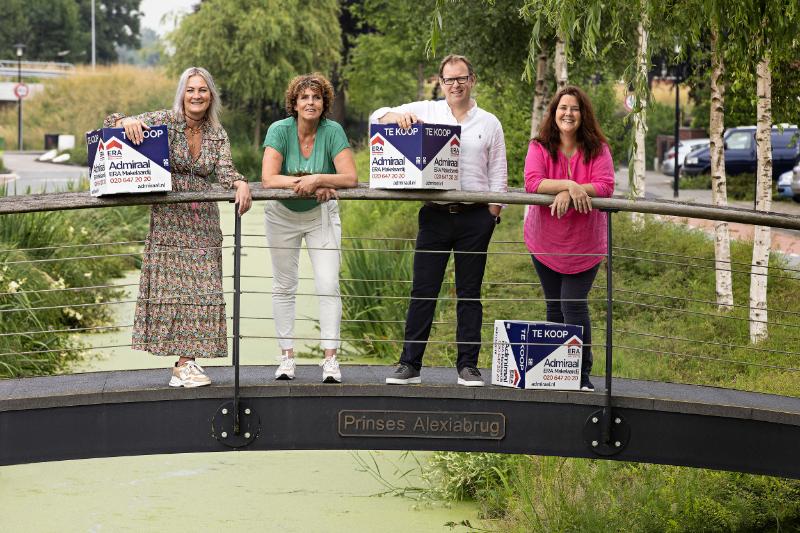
(286, 491)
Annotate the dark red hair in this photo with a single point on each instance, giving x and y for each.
(590, 137)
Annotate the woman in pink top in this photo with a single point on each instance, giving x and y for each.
(571, 160)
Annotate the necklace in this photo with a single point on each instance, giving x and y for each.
(194, 130)
(307, 144)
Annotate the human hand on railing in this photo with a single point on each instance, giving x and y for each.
(560, 204)
(326, 193)
(134, 129)
(242, 198)
(581, 200)
(306, 185)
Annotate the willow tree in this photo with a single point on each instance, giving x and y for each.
(497, 34)
(765, 33)
(638, 163)
(254, 47)
(387, 63)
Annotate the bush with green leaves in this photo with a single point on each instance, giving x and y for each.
(49, 264)
(739, 186)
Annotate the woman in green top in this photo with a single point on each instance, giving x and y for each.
(311, 155)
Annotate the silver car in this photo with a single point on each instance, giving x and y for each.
(684, 148)
(796, 183)
(784, 184)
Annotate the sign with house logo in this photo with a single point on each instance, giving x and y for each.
(117, 166)
(424, 156)
(537, 355)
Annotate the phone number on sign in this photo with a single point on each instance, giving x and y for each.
(130, 179)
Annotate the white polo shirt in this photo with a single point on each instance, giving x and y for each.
(482, 164)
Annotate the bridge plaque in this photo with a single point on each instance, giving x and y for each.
(422, 424)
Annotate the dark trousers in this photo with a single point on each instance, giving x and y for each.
(467, 231)
(566, 302)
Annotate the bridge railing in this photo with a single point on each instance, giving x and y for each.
(375, 300)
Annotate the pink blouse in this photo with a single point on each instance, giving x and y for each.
(574, 233)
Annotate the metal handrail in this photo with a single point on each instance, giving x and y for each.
(65, 201)
(81, 200)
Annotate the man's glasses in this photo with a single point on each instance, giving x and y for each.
(461, 80)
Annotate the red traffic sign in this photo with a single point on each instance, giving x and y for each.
(21, 91)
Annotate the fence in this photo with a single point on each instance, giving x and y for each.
(376, 285)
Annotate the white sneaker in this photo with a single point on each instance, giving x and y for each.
(189, 374)
(330, 370)
(286, 368)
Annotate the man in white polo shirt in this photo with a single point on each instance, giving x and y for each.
(457, 227)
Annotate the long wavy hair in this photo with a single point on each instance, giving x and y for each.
(317, 83)
(214, 108)
(590, 137)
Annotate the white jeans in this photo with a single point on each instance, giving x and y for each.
(322, 230)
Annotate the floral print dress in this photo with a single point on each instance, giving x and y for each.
(180, 310)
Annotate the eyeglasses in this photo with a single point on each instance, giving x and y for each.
(461, 80)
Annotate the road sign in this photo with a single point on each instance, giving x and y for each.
(21, 90)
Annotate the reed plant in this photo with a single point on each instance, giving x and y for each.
(374, 287)
(46, 259)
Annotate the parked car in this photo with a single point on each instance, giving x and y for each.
(796, 183)
(784, 184)
(740, 152)
(684, 148)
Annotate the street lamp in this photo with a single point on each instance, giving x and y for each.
(20, 49)
(676, 175)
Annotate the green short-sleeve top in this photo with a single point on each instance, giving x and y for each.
(329, 141)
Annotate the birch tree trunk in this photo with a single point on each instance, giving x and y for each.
(640, 118)
(761, 238)
(719, 193)
(539, 92)
(539, 103)
(560, 64)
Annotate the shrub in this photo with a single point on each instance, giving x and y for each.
(739, 186)
(39, 278)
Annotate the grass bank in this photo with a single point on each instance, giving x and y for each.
(78, 103)
(667, 328)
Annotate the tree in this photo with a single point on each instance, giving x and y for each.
(47, 28)
(60, 30)
(719, 193)
(116, 24)
(765, 32)
(253, 48)
(638, 163)
(387, 63)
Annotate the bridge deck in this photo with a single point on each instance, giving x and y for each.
(364, 380)
(106, 414)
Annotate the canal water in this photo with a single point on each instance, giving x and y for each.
(286, 491)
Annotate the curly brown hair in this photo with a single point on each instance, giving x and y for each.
(317, 83)
(590, 137)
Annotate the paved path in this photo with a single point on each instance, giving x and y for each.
(37, 176)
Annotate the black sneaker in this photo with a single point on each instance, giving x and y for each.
(586, 385)
(404, 375)
(470, 377)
